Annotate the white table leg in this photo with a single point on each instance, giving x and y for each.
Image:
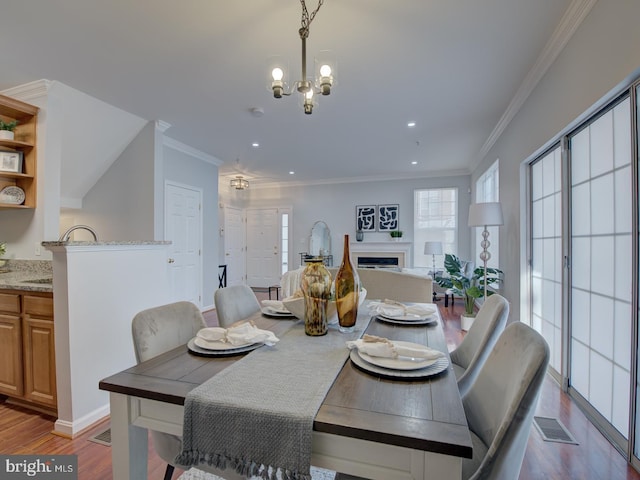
(129, 444)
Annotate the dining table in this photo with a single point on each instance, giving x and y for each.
(373, 423)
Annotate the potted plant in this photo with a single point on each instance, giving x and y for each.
(467, 284)
(3, 250)
(7, 128)
(396, 234)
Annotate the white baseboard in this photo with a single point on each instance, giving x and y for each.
(66, 428)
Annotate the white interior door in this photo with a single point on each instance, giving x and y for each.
(263, 251)
(234, 245)
(183, 227)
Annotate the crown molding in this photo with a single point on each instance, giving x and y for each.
(258, 184)
(569, 23)
(193, 152)
(29, 91)
(162, 126)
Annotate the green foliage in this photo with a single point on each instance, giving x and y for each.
(396, 234)
(11, 126)
(470, 286)
(3, 248)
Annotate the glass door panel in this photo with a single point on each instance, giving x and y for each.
(601, 271)
(546, 252)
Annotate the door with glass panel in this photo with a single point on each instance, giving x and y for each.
(601, 251)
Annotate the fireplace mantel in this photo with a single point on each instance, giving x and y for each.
(383, 249)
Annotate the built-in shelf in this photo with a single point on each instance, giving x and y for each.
(25, 142)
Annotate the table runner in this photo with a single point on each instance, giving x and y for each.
(256, 416)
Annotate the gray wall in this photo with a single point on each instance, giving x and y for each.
(601, 54)
(335, 204)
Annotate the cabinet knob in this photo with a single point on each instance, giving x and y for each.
(171, 260)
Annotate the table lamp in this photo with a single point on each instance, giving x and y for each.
(485, 215)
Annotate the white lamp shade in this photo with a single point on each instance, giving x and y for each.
(433, 248)
(485, 214)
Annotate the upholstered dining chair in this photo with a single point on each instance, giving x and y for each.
(501, 403)
(235, 303)
(467, 359)
(384, 283)
(158, 330)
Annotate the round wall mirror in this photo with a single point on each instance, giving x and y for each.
(320, 239)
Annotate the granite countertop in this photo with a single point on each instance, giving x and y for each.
(27, 275)
(95, 243)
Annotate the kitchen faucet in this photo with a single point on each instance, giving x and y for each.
(65, 236)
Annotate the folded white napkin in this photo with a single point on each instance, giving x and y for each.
(275, 305)
(383, 347)
(393, 308)
(240, 334)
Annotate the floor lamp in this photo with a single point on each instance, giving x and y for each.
(485, 215)
(433, 249)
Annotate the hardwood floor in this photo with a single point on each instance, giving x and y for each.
(26, 432)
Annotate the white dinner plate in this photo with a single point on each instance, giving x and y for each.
(400, 363)
(422, 373)
(196, 350)
(407, 317)
(425, 321)
(272, 312)
(208, 345)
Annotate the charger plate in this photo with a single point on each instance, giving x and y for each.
(226, 352)
(270, 312)
(438, 367)
(433, 319)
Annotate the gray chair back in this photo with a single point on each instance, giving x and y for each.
(474, 349)
(501, 403)
(160, 329)
(235, 303)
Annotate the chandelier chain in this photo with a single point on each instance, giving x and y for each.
(307, 19)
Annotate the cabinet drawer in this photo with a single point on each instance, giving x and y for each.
(10, 302)
(40, 306)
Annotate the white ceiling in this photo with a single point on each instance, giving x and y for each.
(452, 66)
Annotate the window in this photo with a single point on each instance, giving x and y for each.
(284, 247)
(488, 190)
(435, 220)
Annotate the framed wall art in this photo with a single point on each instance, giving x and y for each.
(388, 217)
(366, 218)
(11, 162)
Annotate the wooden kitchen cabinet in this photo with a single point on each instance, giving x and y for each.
(27, 348)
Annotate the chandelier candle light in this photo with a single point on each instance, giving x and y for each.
(324, 77)
(485, 215)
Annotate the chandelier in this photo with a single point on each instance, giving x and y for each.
(239, 183)
(324, 74)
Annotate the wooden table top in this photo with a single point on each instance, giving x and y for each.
(425, 414)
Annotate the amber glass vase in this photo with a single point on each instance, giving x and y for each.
(347, 288)
(316, 286)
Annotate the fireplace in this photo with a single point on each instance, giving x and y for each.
(378, 262)
(381, 254)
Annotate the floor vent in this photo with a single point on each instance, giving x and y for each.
(103, 438)
(553, 431)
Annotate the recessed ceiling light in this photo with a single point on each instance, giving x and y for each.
(414, 163)
(255, 144)
(411, 124)
(292, 172)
